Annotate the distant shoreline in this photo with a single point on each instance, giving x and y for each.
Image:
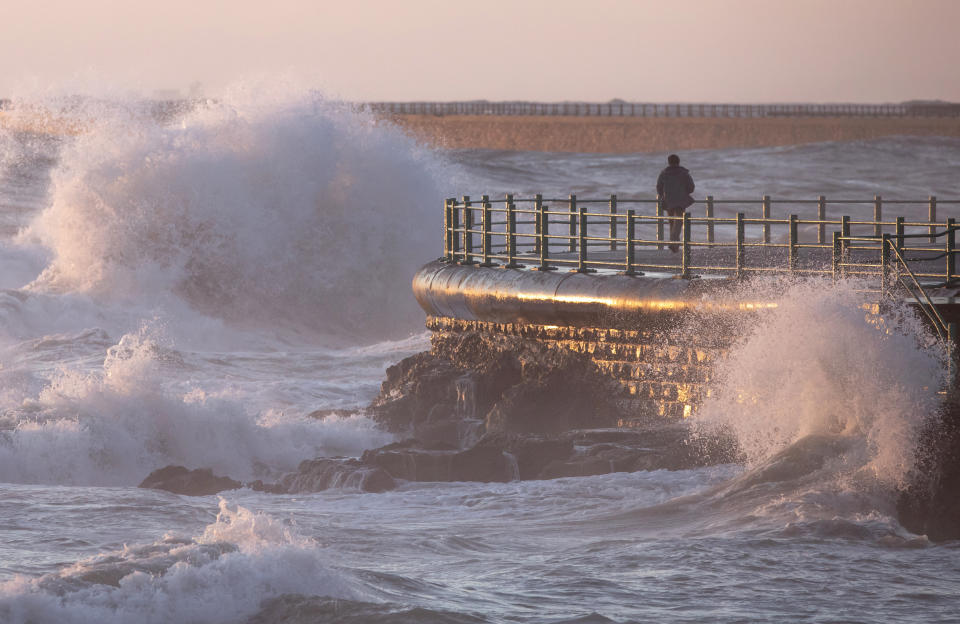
(656, 134)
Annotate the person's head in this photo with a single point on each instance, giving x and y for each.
(673, 159)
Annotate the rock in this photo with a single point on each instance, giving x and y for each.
(483, 463)
(180, 480)
(409, 463)
(320, 474)
(471, 384)
(929, 505)
(322, 414)
(532, 453)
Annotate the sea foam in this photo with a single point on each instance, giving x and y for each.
(285, 210)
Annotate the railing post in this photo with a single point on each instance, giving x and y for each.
(543, 216)
(511, 235)
(837, 255)
(885, 243)
(467, 230)
(709, 218)
(454, 227)
(739, 245)
(951, 247)
(572, 210)
(447, 243)
(659, 221)
(485, 221)
(932, 219)
(792, 257)
(538, 207)
(877, 215)
(582, 240)
(613, 221)
(899, 233)
(845, 233)
(766, 216)
(629, 242)
(821, 217)
(685, 247)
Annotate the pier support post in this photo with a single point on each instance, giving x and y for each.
(766, 217)
(740, 237)
(877, 215)
(447, 236)
(454, 234)
(467, 231)
(709, 214)
(628, 269)
(932, 218)
(659, 221)
(543, 218)
(792, 255)
(837, 256)
(844, 235)
(485, 222)
(582, 243)
(613, 220)
(821, 217)
(951, 249)
(537, 204)
(511, 235)
(885, 243)
(572, 209)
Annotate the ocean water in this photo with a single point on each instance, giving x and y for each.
(188, 292)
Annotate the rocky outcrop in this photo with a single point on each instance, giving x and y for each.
(472, 384)
(496, 407)
(930, 505)
(502, 457)
(324, 473)
(180, 480)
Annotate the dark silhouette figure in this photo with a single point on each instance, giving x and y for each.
(674, 186)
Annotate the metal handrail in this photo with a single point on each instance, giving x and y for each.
(466, 219)
(940, 325)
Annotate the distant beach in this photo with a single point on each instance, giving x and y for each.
(657, 134)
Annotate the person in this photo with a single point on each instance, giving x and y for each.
(674, 186)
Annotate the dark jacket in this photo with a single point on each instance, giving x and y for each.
(675, 185)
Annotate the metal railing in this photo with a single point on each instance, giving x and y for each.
(587, 235)
(619, 108)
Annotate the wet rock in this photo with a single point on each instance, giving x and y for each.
(930, 505)
(471, 384)
(320, 474)
(532, 453)
(322, 414)
(409, 463)
(180, 480)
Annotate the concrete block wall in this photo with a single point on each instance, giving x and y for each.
(656, 373)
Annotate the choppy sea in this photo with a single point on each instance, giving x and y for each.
(189, 291)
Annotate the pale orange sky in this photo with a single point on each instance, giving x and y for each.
(548, 50)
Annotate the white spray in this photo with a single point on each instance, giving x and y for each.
(821, 364)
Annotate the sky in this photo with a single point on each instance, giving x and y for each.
(445, 50)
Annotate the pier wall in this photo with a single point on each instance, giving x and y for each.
(656, 373)
(657, 338)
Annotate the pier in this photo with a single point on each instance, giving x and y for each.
(597, 276)
(620, 108)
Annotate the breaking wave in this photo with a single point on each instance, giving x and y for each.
(823, 364)
(282, 209)
(222, 575)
